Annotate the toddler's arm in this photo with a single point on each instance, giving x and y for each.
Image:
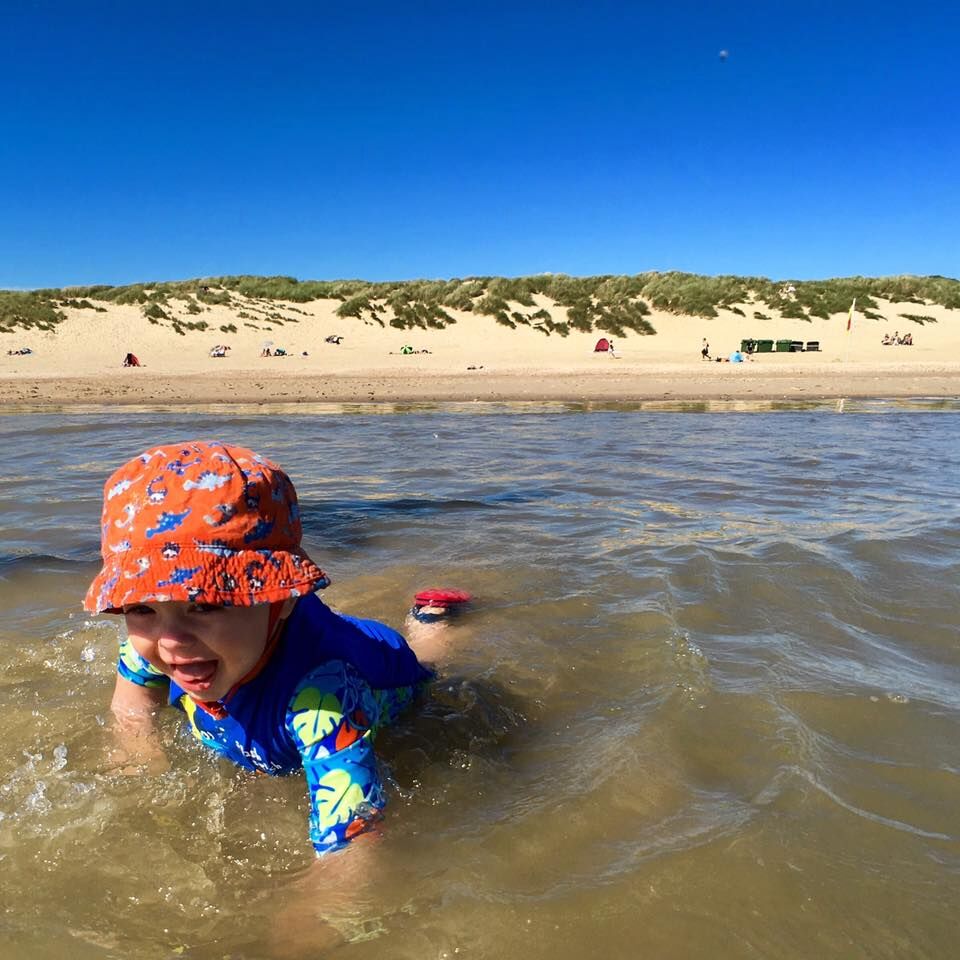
(140, 688)
(332, 717)
(138, 693)
(133, 705)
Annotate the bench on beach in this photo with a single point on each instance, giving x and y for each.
(751, 345)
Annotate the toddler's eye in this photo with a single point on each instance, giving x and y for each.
(206, 607)
(137, 610)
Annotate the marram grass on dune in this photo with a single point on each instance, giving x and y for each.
(614, 305)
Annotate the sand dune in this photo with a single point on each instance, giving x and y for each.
(476, 358)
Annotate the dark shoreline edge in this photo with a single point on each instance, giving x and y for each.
(715, 405)
(626, 386)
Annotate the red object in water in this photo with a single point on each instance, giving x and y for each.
(438, 597)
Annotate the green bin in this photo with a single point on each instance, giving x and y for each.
(783, 346)
(764, 346)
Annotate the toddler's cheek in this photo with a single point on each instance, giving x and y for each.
(147, 649)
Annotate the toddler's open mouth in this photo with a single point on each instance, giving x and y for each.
(195, 676)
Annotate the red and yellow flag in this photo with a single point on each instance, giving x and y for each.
(853, 307)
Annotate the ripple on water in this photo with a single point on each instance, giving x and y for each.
(707, 702)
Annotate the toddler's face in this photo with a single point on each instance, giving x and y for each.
(204, 649)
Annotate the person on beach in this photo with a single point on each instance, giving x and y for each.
(202, 558)
(705, 350)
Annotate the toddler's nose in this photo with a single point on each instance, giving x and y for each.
(176, 636)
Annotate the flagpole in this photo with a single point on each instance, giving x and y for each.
(846, 341)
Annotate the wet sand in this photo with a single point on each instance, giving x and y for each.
(627, 383)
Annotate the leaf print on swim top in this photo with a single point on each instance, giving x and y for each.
(333, 707)
(317, 714)
(336, 797)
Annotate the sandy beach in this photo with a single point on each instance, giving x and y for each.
(80, 362)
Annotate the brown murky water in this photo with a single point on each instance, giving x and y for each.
(707, 706)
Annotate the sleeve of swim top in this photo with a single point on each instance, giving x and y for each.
(390, 662)
(131, 666)
(332, 718)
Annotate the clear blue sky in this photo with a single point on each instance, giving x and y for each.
(171, 140)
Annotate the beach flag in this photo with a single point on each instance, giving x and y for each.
(853, 307)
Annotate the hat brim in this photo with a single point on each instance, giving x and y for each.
(239, 578)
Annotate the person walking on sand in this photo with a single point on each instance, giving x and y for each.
(705, 350)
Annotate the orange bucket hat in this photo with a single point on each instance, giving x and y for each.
(202, 522)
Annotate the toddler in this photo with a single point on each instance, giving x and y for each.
(202, 557)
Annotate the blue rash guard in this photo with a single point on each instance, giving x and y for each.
(329, 684)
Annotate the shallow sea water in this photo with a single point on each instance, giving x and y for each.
(707, 704)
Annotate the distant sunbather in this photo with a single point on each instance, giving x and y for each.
(130, 360)
(333, 338)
